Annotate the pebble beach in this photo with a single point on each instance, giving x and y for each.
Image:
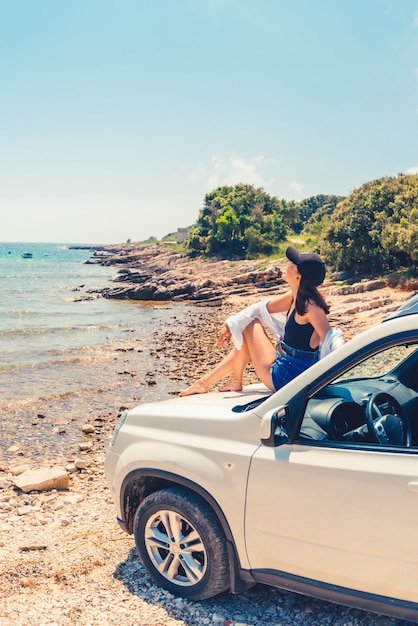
(64, 559)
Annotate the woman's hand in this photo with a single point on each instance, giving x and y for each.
(224, 337)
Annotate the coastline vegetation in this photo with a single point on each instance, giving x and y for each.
(374, 230)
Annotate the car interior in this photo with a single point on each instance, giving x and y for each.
(376, 402)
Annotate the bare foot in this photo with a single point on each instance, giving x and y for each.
(197, 387)
(231, 385)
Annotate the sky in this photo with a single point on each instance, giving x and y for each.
(118, 116)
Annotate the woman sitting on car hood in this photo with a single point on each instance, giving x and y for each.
(298, 318)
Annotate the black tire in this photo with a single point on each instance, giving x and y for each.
(181, 544)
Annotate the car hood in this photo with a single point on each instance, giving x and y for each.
(213, 414)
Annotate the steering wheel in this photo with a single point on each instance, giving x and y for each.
(386, 421)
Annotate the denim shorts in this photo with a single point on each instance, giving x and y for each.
(287, 366)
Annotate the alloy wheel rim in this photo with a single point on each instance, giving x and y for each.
(175, 548)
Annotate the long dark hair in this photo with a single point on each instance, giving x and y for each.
(308, 293)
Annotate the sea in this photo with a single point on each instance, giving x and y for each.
(59, 337)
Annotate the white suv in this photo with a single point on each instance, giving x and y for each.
(313, 488)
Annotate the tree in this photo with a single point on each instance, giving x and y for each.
(314, 210)
(240, 221)
(399, 224)
(376, 228)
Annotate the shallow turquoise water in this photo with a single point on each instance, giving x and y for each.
(55, 337)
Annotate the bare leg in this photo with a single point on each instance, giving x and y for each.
(241, 360)
(225, 367)
(261, 351)
(257, 349)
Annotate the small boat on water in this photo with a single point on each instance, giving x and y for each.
(27, 255)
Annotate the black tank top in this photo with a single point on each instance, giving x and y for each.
(297, 335)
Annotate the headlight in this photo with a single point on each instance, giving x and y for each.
(118, 426)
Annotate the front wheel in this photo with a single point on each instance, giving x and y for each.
(181, 544)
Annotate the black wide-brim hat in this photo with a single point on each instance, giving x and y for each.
(310, 266)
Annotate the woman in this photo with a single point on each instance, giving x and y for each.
(306, 327)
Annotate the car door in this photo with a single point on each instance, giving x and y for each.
(340, 514)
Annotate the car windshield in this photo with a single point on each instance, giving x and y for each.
(380, 364)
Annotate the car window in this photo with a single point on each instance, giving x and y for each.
(374, 403)
(380, 364)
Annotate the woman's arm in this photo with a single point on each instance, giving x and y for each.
(280, 304)
(317, 317)
(275, 321)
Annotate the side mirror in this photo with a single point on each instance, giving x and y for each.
(274, 427)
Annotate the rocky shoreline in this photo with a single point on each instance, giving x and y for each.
(151, 272)
(157, 273)
(64, 558)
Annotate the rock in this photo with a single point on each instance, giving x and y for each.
(4, 483)
(43, 480)
(73, 499)
(88, 429)
(81, 464)
(19, 469)
(24, 510)
(165, 275)
(85, 447)
(360, 287)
